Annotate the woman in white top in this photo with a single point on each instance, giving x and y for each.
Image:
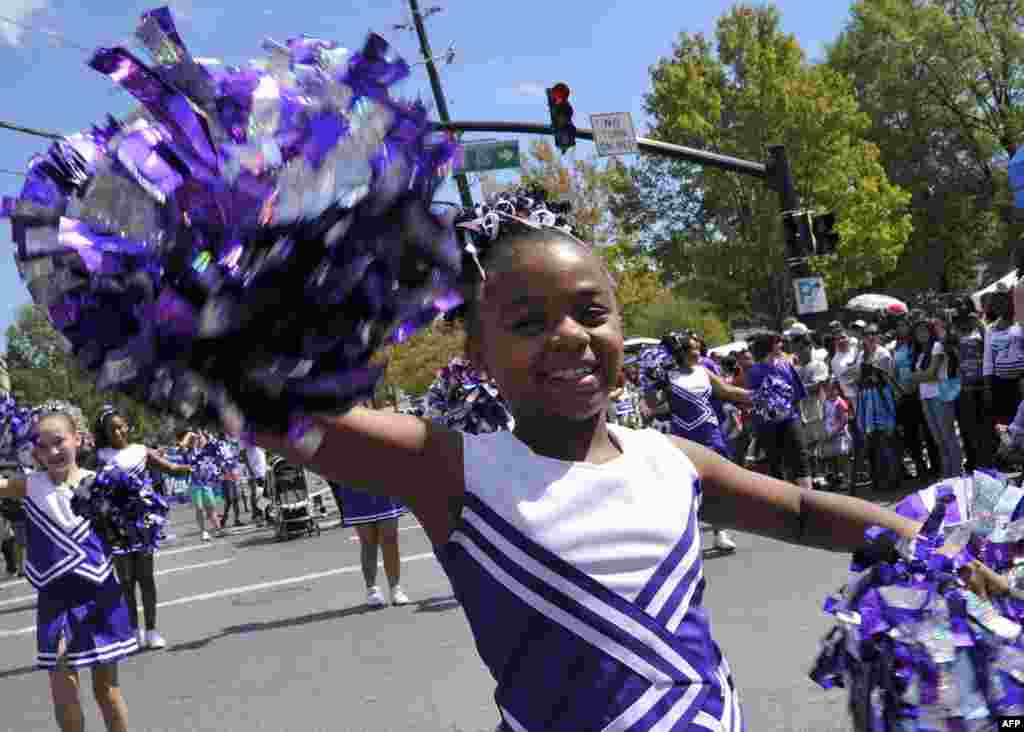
(931, 368)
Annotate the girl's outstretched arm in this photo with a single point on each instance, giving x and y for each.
(12, 487)
(161, 463)
(388, 454)
(747, 501)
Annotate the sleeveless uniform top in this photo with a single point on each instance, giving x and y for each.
(59, 542)
(583, 584)
(132, 459)
(693, 412)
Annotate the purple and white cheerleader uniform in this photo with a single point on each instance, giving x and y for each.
(80, 599)
(358, 507)
(694, 417)
(583, 588)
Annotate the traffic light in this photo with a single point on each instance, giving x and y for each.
(823, 234)
(561, 117)
(797, 230)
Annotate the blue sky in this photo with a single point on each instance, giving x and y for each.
(506, 54)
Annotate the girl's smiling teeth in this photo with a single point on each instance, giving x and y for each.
(571, 374)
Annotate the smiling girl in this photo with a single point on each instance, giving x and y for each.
(573, 545)
(81, 617)
(134, 566)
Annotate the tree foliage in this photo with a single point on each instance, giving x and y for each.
(945, 112)
(672, 311)
(413, 365)
(41, 369)
(720, 233)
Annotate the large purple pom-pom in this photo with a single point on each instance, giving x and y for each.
(654, 365)
(462, 398)
(916, 649)
(123, 509)
(245, 242)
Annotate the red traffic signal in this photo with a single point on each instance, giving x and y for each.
(561, 116)
(559, 93)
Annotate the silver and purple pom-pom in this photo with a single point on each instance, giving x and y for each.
(773, 400)
(464, 399)
(242, 245)
(916, 649)
(654, 365)
(124, 510)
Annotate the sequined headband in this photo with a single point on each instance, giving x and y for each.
(523, 208)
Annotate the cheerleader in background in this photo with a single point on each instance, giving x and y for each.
(375, 519)
(231, 480)
(192, 445)
(690, 390)
(81, 617)
(134, 566)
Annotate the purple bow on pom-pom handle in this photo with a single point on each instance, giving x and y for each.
(242, 245)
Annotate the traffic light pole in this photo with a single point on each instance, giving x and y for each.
(776, 174)
(435, 84)
(679, 152)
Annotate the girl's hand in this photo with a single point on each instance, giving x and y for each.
(983, 581)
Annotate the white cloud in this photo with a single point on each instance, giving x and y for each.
(20, 11)
(530, 89)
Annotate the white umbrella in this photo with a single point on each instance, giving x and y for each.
(872, 303)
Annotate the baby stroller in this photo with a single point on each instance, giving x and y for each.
(293, 511)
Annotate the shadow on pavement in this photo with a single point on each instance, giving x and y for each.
(437, 604)
(715, 553)
(28, 605)
(274, 625)
(20, 671)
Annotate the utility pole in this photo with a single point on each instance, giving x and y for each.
(435, 83)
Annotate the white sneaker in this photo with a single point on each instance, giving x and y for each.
(375, 598)
(398, 596)
(142, 639)
(206, 536)
(724, 542)
(155, 640)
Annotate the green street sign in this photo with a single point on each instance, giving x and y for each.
(484, 156)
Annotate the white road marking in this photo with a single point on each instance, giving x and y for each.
(400, 528)
(172, 570)
(241, 590)
(159, 553)
(184, 549)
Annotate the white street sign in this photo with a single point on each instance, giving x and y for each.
(614, 134)
(810, 295)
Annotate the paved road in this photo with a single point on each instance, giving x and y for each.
(274, 636)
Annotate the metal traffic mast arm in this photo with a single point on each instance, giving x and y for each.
(701, 157)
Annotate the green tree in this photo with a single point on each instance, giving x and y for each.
(941, 82)
(672, 311)
(413, 365)
(41, 369)
(719, 234)
(582, 184)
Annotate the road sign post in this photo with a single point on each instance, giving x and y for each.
(614, 134)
